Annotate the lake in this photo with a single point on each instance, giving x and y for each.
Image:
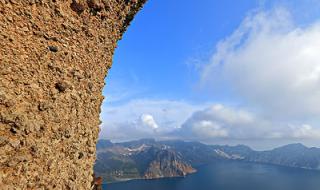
(231, 175)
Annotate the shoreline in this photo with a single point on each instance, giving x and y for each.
(140, 178)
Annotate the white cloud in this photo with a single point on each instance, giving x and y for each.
(272, 64)
(193, 122)
(143, 118)
(305, 132)
(208, 129)
(220, 121)
(149, 121)
(273, 67)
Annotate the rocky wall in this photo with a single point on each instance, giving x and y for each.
(54, 56)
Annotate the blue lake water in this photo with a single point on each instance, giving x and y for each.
(229, 175)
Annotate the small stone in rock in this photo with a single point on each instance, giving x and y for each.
(77, 6)
(62, 86)
(53, 48)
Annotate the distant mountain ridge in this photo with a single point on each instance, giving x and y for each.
(149, 159)
(144, 159)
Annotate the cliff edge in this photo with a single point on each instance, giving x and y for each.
(54, 57)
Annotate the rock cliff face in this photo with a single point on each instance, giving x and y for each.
(167, 163)
(142, 159)
(54, 57)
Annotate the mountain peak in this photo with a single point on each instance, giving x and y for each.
(295, 145)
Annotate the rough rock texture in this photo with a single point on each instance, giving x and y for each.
(54, 57)
(168, 163)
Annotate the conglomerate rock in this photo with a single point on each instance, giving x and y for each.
(54, 56)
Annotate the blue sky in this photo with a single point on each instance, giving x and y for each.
(156, 51)
(182, 71)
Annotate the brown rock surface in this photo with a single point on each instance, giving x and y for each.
(54, 57)
(167, 163)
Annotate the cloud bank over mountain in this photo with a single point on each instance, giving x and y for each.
(219, 121)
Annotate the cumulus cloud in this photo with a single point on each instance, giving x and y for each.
(141, 118)
(149, 121)
(180, 120)
(208, 129)
(223, 122)
(305, 132)
(271, 64)
(219, 121)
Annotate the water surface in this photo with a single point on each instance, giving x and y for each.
(229, 175)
